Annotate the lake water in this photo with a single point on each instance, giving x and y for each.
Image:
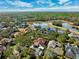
(43, 25)
(68, 26)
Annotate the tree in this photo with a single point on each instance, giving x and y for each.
(24, 40)
(7, 52)
(49, 54)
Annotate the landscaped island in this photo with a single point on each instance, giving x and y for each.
(39, 35)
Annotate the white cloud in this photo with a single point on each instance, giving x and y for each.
(51, 4)
(23, 4)
(62, 1)
(53, 9)
(42, 2)
(67, 4)
(19, 3)
(10, 2)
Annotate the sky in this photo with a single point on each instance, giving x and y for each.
(40, 5)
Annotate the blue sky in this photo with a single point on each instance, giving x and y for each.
(39, 5)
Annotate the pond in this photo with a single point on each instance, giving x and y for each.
(68, 26)
(43, 25)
